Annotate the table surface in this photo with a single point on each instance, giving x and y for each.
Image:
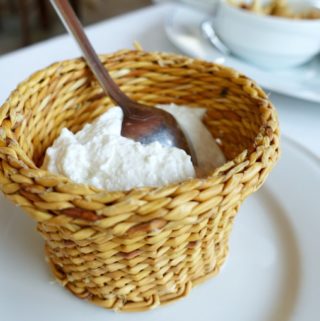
(299, 119)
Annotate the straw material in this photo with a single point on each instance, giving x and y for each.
(134, 250)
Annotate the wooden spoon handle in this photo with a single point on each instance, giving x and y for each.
(73, 25)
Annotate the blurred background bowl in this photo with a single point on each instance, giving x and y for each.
(267, 41)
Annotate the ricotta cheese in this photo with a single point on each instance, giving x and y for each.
(99, 156)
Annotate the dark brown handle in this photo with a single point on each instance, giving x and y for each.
(73, 25)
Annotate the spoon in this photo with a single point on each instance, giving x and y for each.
(140, 123)
(209, 33)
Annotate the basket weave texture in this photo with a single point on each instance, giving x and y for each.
(137, 249)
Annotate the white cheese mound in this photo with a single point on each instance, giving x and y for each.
(99, 156)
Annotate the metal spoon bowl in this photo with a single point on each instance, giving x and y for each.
(140, 123)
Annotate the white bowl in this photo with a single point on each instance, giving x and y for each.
(270, 42)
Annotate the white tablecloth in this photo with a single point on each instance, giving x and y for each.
(300, 120)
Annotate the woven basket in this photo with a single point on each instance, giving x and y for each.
(135, 250)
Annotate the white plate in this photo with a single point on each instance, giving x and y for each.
(272, 272)
(182, 27)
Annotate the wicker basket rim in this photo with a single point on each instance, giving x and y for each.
(264, 130)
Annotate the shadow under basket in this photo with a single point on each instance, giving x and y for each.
(133, 250)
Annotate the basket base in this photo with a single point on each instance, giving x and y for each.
(121, 304)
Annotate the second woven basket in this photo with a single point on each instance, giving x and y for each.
(137, 249)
